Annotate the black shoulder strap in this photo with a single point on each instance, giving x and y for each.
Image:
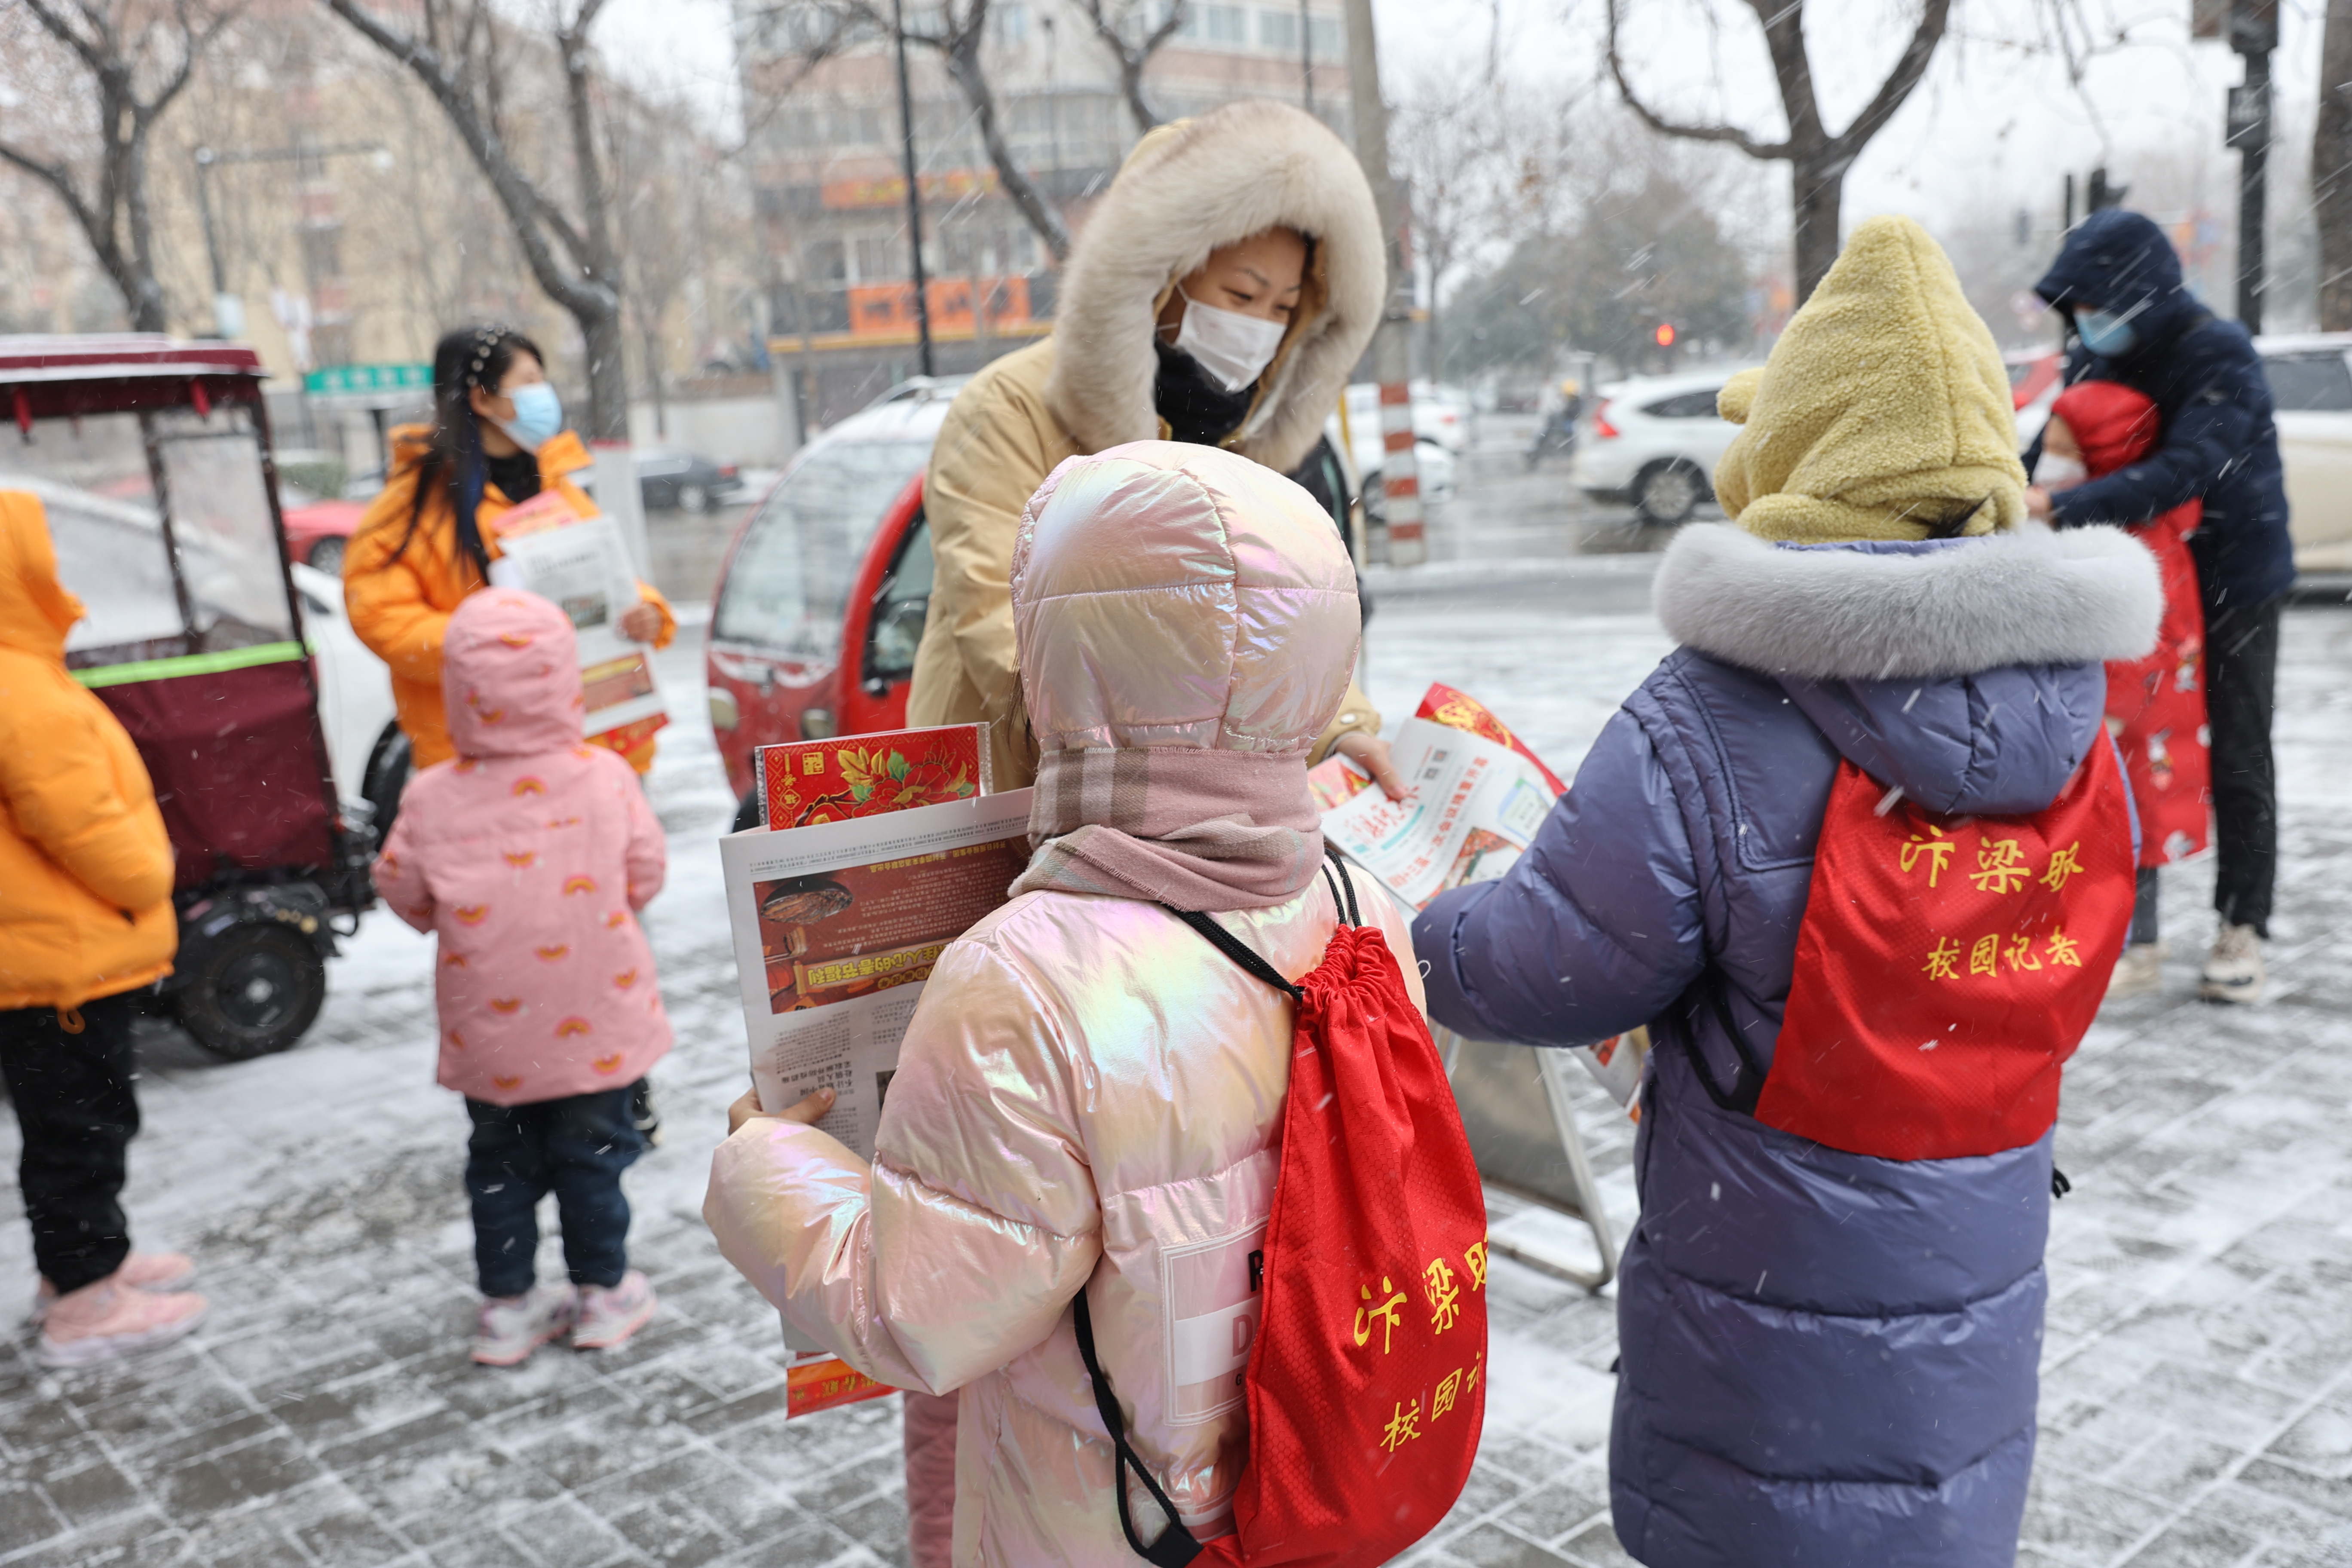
(1233, 947)
(1348, 913)
(1175, 1547)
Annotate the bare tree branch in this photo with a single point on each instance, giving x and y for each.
(1933, 15)
(1731, 134)
(115, 216)
(587, 285)
(1132, 56)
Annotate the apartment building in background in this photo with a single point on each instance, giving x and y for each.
(830, 191)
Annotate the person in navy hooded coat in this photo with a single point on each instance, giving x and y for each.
(1829, 1359)
(2118, 283)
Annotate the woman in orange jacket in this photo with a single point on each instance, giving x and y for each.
(496, 441)
(86, 923)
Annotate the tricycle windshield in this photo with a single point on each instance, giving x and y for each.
(790, 581)
(126, 494)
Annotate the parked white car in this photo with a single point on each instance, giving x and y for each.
(1441, 414)
(1654, 442)
(365, 750)
(1434, 465)
(2311, 385)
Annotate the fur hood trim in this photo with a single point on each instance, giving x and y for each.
(1236, 172)
(1879, 612)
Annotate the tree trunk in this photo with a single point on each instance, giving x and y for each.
(147, 313)
(1817, 191)
(963, 65)
(602, 333)
(2331, 170)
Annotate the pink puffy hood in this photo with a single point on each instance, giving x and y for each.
(510, 676)
(1173, 595)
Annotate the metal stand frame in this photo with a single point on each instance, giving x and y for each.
(1551, 1066)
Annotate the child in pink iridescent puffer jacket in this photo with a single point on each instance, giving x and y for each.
(528, 856)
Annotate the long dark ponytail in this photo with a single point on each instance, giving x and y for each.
(464, 359)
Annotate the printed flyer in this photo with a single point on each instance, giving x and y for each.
(803, 783)
(582, 565)
(1478, 796)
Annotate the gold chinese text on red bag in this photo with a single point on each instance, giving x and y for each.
(1948, 966)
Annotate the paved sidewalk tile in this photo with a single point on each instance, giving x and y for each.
(2197, 1400)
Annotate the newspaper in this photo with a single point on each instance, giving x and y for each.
(836, 926)
(1474, 809)
(1474, 806)
(584, 566)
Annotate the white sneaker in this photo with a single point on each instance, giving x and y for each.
(511, 1326)
(608, 1316)
(2140, 970)
(2234, 971)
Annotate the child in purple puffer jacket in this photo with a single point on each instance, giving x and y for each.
(528, 856)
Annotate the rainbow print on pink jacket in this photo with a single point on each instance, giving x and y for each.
(529, 856)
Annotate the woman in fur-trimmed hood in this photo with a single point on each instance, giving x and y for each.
(1220, 294)
(1829, 1357)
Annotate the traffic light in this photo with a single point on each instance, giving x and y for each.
(1664, 334)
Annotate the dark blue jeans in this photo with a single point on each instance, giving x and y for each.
(576, 1148)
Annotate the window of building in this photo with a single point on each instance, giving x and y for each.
(1225, 25)
(1330, 39)
(1278, 31)
(322, 252)
(880, 259)
(1012, 26)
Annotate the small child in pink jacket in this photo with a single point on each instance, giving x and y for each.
(529, 856)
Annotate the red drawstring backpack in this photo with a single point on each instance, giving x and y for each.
(1366, 1383)
(1946, 968)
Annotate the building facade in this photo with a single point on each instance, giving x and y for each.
(829, 188)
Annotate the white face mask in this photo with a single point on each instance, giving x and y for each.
(1232, 347)
(2056, 473)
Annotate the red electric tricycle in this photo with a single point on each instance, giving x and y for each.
(153, 459)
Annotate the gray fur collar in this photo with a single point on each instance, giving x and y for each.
(1230, 174)
(2085, 596)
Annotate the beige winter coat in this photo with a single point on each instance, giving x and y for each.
(1185, 190)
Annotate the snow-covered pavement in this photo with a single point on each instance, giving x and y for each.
(2197, 1404)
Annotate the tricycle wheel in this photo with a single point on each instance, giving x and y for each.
(253, 993)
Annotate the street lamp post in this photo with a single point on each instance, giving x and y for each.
(228, 311)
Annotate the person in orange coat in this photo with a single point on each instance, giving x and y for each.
(85, 924)
(428, 539)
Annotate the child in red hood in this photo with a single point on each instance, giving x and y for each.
(2156, 706)
(529, 856)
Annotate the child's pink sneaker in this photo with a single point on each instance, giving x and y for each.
(609, 1315)
(106, 1320)
(511, 1326)
(140, 1270)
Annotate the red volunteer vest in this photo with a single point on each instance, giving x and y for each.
(1948, 966)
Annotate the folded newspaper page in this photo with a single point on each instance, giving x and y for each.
(1477, 797)
(584, 566)
(836, 926)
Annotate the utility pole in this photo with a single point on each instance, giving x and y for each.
(1391, 348)
(2253, 34)
(914, 191)
(1305, 57)
(229, 309)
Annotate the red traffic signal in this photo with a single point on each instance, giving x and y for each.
(1664, 334)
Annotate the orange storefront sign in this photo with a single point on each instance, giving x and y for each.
(887, 309)
(951, 184)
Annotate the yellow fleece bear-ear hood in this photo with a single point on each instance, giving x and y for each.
(1883, 412)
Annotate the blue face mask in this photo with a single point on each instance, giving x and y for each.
(538, 416)
(2103, 333)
